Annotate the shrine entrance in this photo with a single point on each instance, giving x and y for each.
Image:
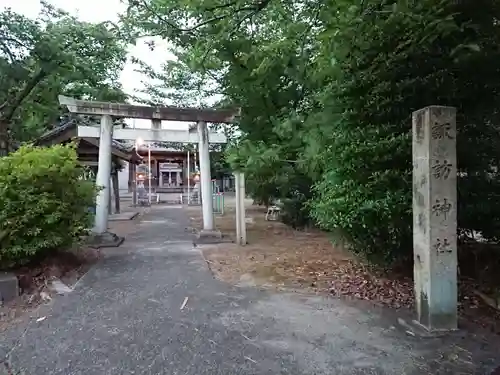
(106, 133)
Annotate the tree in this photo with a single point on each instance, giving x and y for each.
(176, 84)
(395, 60)
(327, 89)
(246, 56)
(48, 56)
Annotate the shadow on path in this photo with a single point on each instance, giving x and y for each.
(125, 317)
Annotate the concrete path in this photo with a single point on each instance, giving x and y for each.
(125, 317)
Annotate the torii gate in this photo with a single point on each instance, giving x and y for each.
(155, 134)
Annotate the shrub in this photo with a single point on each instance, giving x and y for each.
(44, 202)
(296, 194)
(294, 211)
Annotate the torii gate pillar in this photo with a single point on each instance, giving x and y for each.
(205, 178)
(103, 173)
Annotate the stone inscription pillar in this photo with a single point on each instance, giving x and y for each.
(435, 217)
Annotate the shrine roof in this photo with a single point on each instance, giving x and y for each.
(67, 131)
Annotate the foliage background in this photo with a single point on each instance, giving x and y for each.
(44, 205)
(54, 54)
(327, 90)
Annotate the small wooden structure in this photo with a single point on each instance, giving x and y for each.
(88, 152)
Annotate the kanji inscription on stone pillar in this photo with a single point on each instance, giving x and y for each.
(435, 216)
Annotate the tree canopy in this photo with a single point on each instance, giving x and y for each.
(51, 55)
(327, 89)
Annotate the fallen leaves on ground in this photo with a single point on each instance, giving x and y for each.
(355, 281)
(280, 256)
(473, 310)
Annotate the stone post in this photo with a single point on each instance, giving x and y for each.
(241, 229)
(238, 208)
(435, 217)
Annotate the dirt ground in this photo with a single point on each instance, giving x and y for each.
(277, 256)
(34, 279)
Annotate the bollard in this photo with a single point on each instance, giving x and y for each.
(218, 203)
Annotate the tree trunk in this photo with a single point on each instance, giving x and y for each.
(4, 138)
(116, 191)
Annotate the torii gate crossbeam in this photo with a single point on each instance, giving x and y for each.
(152, 135)
(156, 134)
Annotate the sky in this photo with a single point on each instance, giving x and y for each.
(99, 11)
